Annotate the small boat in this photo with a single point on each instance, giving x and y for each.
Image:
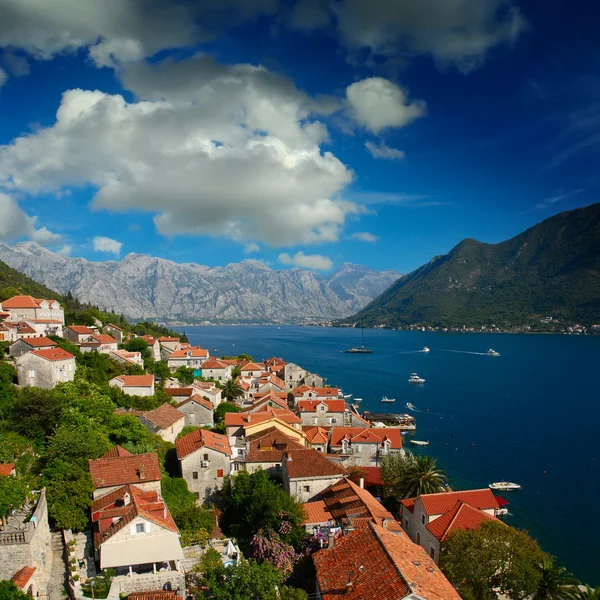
(414, 378)
(492, 352)
(346, 396)
(419, 443)
(425, 349)
(505, 486)
(386, 399)
(361, 349)
(357, 400)
(502, 506)
(410, 406)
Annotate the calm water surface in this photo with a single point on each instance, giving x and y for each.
(531, 415)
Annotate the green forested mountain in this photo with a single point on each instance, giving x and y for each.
(552, 269)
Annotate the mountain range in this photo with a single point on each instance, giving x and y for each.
(550, 270)
(141, 286)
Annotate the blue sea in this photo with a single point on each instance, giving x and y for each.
(531, 415)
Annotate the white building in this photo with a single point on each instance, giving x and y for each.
(45, 368)
(134, 385)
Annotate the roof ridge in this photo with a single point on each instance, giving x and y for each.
(373, 527)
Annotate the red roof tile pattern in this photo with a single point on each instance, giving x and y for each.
(366, 435)
(39, 342)
(136, 380)
(168, 339)
(213, 363)
(270, 446)
(316, 512)
(81, 329)
(114, 327)
(25, 302)
(265, 400)
(135, 468)
(179, 391)
(22, 577)
(116, 452)
(198, 400)
(251, 366)
(372, 475)
(53, 354)
(438, 504)
(23, 327)
(6, 469)
(461, 516)
(320, 392)
(247, 419)
(308, 463)
(164, 416)
(199, 439)
(157, 595)
(379, 565)
(193, 352)
(316, 435)
(102, 338)
(333, 406)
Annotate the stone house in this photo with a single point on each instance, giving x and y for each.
(192, 358)
(205, 459)
(243, 424)
(430, 518)
(153, 346)
(106, 343)
(8, 332)
(268, 400)
(25, 345)
(363, 446)
(264, 451)
(323, 413)
(119, 467)
(304, 392)
(269, 382)
(317, 438)
(165, 421)
(216, 370)
(197, 411)
(127, 358)
(45, 368)
(115, 332)
(134, 385)
(168, 345)
(208, 390)
(78, 333)
(307, 472)
(293, 375)
(251, 370)
(37, 309)
(25, 330)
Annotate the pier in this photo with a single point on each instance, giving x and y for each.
(399, 420)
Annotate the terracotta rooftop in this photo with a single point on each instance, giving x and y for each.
(267, 399)
(198, 400)
(24, 302)
(136, 380)
(81, 329)
(270, 446)
(366, 435)
(316, 435)
(306, 463)
(115, 326)
(461, 516)
(193, 352)
(246, 419)
(169, 339)
(6, 469)
(116, 452)
(213, 363)
(325, 392)
(372, 475)
(39, 342)
(333, 405)
(380, 565)
(179, 391)
(52, 354)
(108, 471)
(102, 338)
(164, 416)
(22, 577)
(156, 595)
(199, 439)
(23, 327)
(316, 512)
(438, 504)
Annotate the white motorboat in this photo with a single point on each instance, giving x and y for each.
(505, 486)
(425, 349)
(501, 511)
(419, 443)
(357, 400)
(492, 352)
(410, 406)
(414, 378)
(386, 399)
(346, 396)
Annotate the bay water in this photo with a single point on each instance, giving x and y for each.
(530, 415)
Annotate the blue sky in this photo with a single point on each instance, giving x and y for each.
(304, 133)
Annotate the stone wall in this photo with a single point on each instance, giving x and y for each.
(30, 546)
(145, 583)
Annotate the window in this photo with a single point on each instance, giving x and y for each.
(195, 475)
(236, 466)
(418, 538)
(423, 518)
(197, 494)
(219, 472)
(139, 528)
(432, 552)
(307, 488)
(406, 524)
(205, 457)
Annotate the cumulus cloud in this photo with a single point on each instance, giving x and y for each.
(15, 223)
(209, 149)
(316, 262)
(108, 245)
(115, 31)
(250, 248)
(458, 33)
(364, 236)
(65, 250)
(382, 150)
(377, 103)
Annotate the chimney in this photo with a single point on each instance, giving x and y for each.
(349, 584)
(330, 539)
(386, 523)
(361, 483)
(141, 472)
(126, 499)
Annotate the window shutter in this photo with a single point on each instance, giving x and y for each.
(132, 528)
(147, 527)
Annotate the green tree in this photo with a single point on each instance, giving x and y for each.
(13, 493)
(587, 594)
(79, 440)
(225, 407)
(291, 593)
(555, 583)
(185, 375)
(248, 580)
(13, 445)
(9, 591)
(493, 558)
(422, 477)
(137, 345)
(161, 371)
(36, 412)
(231, 390)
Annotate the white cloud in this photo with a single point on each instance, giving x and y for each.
(364, 236)
(316, 262)
(250, 248)
(458, 33)
(15, 223)
(17, 65)
(104, 244)
(382, 150)
(210, 149)
(65, 250)
(377, 103)
(115, 31)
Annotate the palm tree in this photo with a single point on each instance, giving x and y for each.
(587, 594)
(231, 390)
(556, 583)
(421, 476)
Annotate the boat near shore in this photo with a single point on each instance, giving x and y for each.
(410, 406)
(504, 486)
(419, 443)
(414, 378)
(386, 399)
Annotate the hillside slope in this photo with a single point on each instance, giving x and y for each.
(552, 269)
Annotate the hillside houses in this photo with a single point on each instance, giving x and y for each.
(24, 345)
(364, 446)
(134, 385)
(45, 368)
(191, 358)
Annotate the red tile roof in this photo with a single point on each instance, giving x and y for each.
(114, 327)
(168, 339)
(438, 504)
(316, 435)
(461, 516)
(247, 419)
(22, 577)
(379, 565)
(164, 416)
(81, 329)
(251, 366)
(53, 354)
(136, 380)
(179, 391)
(270, 446)
(23, 327)
(135, 468)
(116, 452)
(267, 399)
(6, 469)
(198, 400)
(156, 595)
(335, 406)
(372, 475)
(213, 363)
(316, 512)
(321, 392)
(199, 439)
(366, 435)
(307, 462)
(39, 342)
(102, 338)
(22, 302)
(193, 352)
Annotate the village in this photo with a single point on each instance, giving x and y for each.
(281, 420)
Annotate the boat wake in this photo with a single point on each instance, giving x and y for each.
(464, 352)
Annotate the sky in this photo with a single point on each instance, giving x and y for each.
(300, 133)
